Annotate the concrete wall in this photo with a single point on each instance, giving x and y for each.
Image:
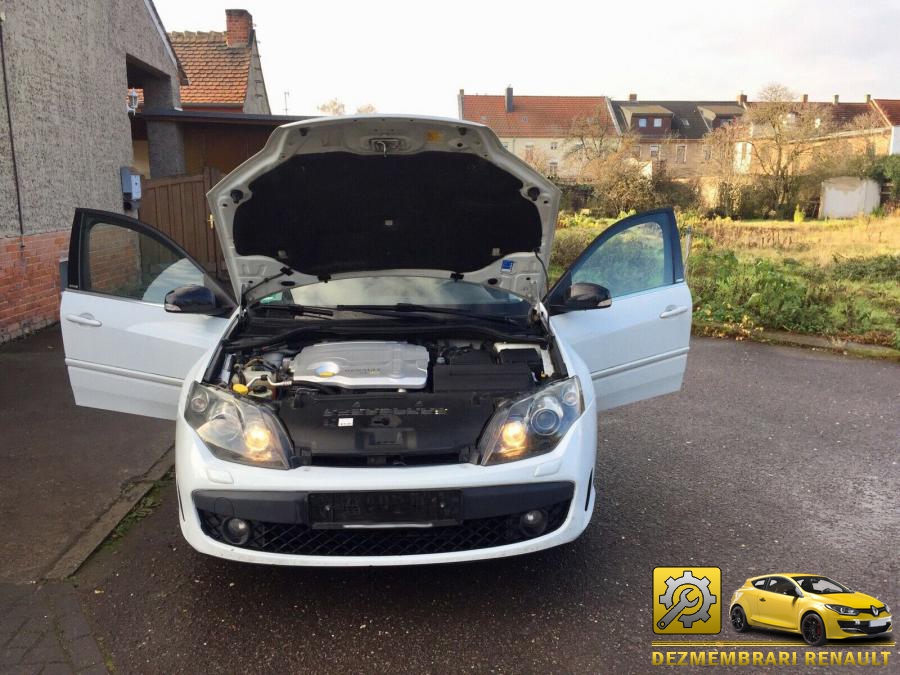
(847, 197)
(66, 63)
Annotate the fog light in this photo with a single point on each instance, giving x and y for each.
(533, 523)
(236, 531)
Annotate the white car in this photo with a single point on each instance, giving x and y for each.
(390, 381)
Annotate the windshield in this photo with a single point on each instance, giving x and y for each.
(820, 585)
(391, 291)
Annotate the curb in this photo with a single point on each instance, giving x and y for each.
(780, 337)
(69, 562)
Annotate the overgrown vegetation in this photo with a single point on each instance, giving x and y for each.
(828, 278)
(768, 163)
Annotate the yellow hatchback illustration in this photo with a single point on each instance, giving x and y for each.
(814, 606)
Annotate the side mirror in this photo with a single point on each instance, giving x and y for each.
(192, 300)
(799, 592)
(583, 295)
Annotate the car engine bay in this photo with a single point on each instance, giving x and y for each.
(387, 402)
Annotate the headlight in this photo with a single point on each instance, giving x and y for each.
(843, 609)
(236, 430)
(531, 426)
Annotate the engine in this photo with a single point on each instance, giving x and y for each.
(362, 365)
(377, 403)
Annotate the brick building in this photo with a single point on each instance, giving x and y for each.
(68, 67)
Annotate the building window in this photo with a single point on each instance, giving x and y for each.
(642, 122)
(707, 153)
(529, 152)
(685, 123)
(554, 145)
(654, 152)
(636, 151)
(680, 154)
(553, 167)
(657, 122)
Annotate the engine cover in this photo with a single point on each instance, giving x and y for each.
(362, 365)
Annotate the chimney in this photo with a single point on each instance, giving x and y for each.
(460, 99)
(509, 99)
(239, 25)
(632, 97)
(868, 98)
(805, 98)
(742, 99)
(835, 99)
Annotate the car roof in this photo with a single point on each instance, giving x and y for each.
(787, 574)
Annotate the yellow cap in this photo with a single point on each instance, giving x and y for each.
(239, 388)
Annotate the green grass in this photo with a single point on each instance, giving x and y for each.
(832, 278)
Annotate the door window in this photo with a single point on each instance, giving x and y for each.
(630, 261)
(125, 263)
(781, 585)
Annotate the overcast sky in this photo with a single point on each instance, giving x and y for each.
(413, 57)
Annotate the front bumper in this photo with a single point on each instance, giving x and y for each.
(858, 626)
(211, 490)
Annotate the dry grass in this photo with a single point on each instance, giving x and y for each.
(812, 242)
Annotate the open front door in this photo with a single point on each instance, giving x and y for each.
(636, 348)
(123, 350)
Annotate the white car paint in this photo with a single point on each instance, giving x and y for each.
(133, 356)
(351, 134)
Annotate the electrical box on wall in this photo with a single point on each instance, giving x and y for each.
(131, 188)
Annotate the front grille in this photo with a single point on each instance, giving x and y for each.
(298, 539)
(853, 627)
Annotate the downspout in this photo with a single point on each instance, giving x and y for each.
(12, 144)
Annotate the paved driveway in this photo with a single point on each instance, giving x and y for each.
(770, 459)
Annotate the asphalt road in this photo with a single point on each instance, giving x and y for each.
(771, 459)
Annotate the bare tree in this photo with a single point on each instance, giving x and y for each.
(332, 108)
(366, 109)
(719, 147)
(785, 139)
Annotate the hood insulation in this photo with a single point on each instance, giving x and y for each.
(338, 212)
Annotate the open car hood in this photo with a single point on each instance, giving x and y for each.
(384, 195)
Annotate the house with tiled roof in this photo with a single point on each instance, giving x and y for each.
(538, 129)
(890, 110)
(223, 68)
(670, 134)
(860, 126)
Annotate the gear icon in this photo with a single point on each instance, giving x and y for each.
(688, 579)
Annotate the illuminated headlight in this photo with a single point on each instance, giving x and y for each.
(532, 426)
(843, 609)
(236, 430)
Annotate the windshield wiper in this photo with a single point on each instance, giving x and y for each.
(301, 310)
(410, 308)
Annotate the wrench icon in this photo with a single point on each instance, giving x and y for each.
(682, 604)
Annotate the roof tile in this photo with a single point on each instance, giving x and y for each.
(533, 116)
(217, 73)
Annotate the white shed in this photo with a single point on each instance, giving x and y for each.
(848, 196)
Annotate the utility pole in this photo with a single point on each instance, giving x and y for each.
(286, 94)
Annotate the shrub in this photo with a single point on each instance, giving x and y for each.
(569, 243)
(877, 268)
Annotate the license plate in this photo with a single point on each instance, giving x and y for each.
(878, 622)
(424, 508)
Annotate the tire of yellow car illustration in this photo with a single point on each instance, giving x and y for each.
(739, 620)
(813, 629)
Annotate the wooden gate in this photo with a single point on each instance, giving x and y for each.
(177, 208)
